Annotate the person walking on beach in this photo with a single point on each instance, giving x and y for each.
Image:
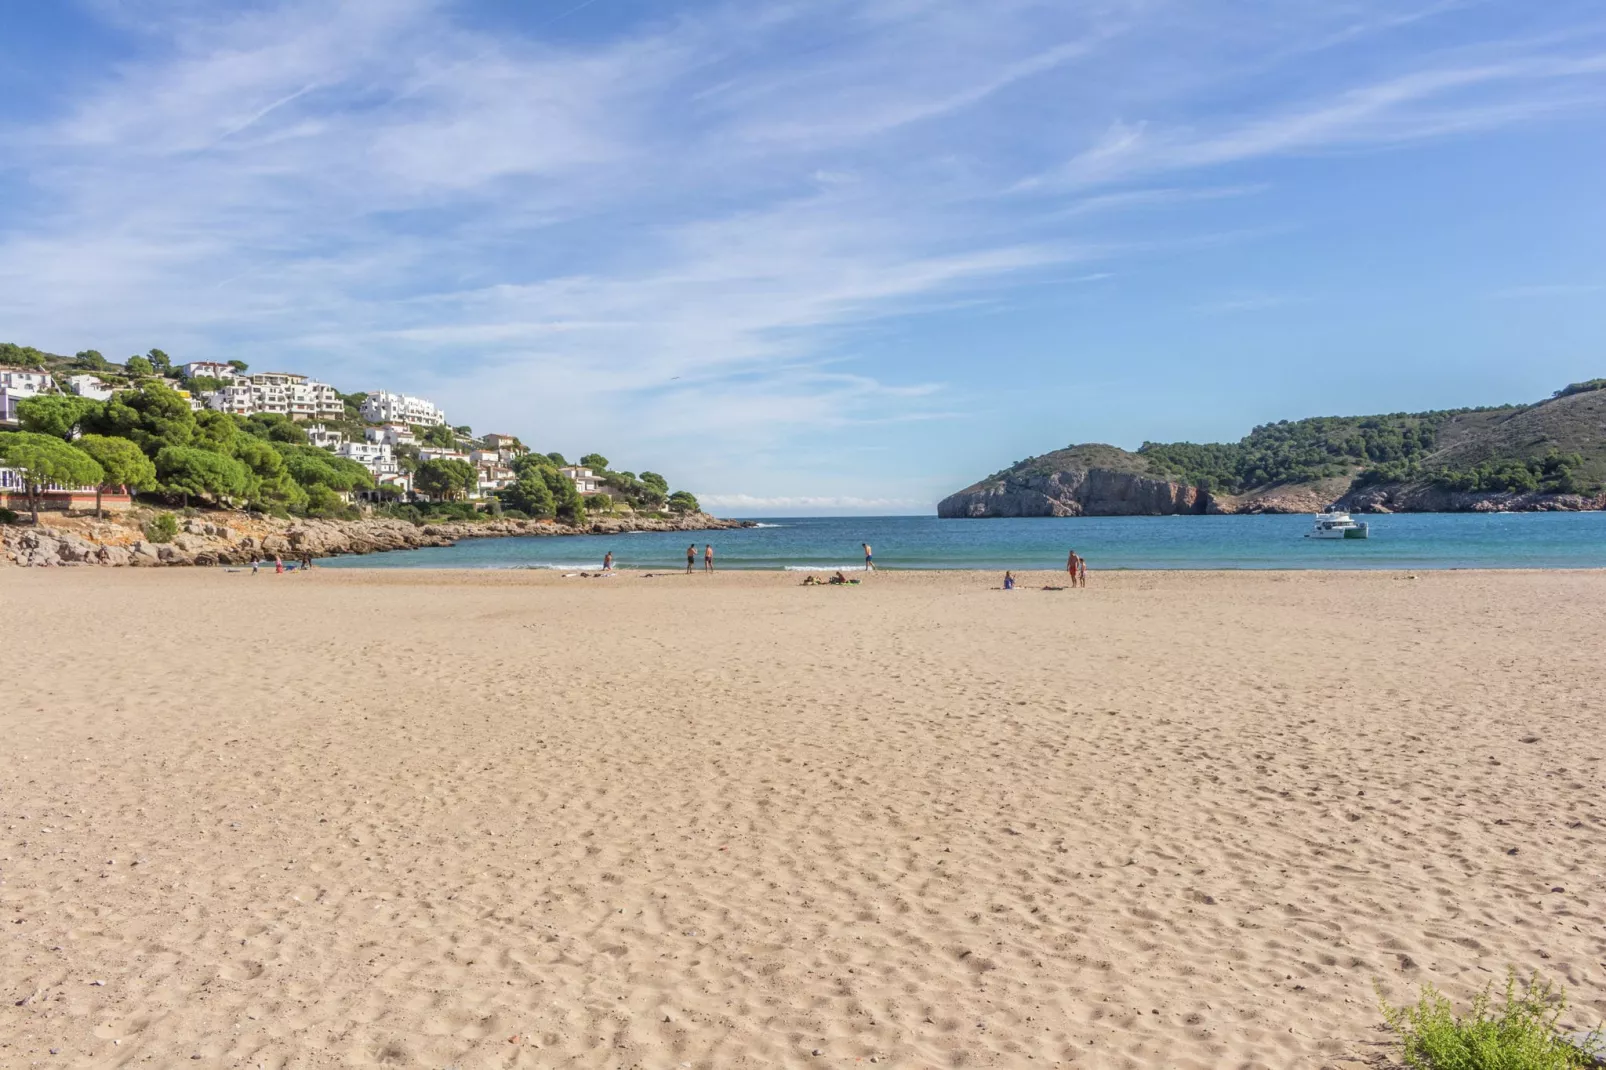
(869, 558)
(708, 558)
(1081, 571)
(607, 561)
(1073, 564)
(691, 558)
(278, 565)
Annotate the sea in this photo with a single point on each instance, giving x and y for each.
(1398, 541)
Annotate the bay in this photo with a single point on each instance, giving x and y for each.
(1410, 540)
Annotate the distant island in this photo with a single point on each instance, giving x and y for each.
(1550, 455)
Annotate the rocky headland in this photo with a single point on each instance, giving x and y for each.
(1547, 456)
(229, 538)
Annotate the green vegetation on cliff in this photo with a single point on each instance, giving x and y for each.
(1303, 451)
(1555, 446)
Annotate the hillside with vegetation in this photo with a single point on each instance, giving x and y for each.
(1551, 454)
(147, 438)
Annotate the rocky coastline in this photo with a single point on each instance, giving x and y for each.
(1110, 492)
(227, 538)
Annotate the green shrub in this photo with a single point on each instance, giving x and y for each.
(163, 527)
(1521, 1035)
(8, 516)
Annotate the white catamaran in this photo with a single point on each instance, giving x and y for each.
(1337, 526)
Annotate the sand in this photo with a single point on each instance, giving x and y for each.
(515, 820)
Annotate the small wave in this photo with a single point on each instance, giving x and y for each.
(824, 568)
(758, 525)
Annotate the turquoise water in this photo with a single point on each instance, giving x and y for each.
(1419, 540)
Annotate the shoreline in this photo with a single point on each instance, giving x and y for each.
(231, 538)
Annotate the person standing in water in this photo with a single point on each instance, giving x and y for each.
(869, 558)
(691, 558)
(708, 557)
(607, 561)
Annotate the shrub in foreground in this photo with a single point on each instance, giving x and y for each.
(163, 527)
(1520, 1035)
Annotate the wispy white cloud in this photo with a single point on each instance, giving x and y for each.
(1415, 106)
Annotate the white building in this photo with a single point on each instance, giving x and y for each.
(236, 398)
(374, 456)
(383, 407)
(211, 369)
(325, 438)
(505, 443)
(19, 383)
(89, 386)
(392, 435)
(284, 393)
(436, 453)
(277, 379)
(494, 477)
(584, 479)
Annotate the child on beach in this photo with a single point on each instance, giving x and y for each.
(1009, 581)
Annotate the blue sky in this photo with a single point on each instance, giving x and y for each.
(815, 256)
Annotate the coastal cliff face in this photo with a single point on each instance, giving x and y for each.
(240, 538)
(1074, 492)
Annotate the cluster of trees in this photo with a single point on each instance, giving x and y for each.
(149, 439)
(21, 356)
(541, 490)
(1555, 473)
(647, 491)
(1585, 387)
(1295, 451)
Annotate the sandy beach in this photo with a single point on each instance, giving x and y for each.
(446, 819)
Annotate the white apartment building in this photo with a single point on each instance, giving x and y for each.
(324, 438)
(383, 407)
(284, 393)
(277, 379)
(374, 456)
(18, 383)
(584, 479)
(236, 398)
(212, 369)
(89, 386)
(392, 435)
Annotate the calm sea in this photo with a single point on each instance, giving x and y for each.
(1420, 540)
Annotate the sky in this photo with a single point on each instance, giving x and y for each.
(811, 256)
